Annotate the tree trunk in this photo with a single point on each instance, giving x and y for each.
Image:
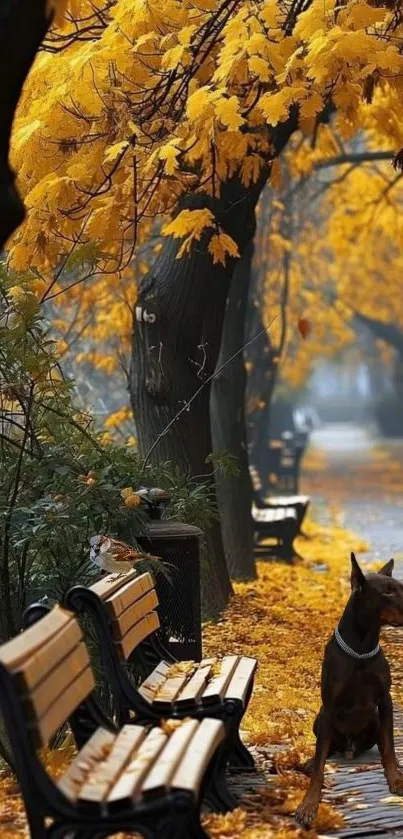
(180, 313)
(176, 341)
(22, 28)
(229, 431)
(262, 363)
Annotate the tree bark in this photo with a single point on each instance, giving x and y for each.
(176, 341)
(22, 28)
(229, 431)
(262, 362)
(176, 354)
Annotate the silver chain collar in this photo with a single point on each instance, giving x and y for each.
(351, 652)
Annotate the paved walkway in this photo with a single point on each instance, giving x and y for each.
(363, 487)
(357, 481)
(364, 478)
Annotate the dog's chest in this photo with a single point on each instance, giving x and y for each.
(358, 699)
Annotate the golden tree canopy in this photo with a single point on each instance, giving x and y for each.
(134, 103)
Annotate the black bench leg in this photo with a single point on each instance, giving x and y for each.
(36, 823)
(216, 795)
(196, 830)
(240, 757)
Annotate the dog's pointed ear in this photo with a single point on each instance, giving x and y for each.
(387, 569)
(357, 577)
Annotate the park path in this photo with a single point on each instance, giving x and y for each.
(358, 481)
(363, 477)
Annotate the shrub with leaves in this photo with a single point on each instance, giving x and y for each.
(61, 481)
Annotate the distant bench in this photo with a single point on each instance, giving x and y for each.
(285, 458)
(123, 612)
(139, 779)
(279, 517)
(280, 526)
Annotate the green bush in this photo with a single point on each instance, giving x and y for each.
(60, 483)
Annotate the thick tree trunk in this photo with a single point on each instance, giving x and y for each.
(22, 27)
(176, 341)
(229, 431)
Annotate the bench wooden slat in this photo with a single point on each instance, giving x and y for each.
(170, 690)
(19, 649)
(69, 670)
(128, 594)
(76, 774)
(241, 679)
(154, 681)
(194, 687)
(189, 774)
(112, 582)
(128, 787)
(288, 500)
(137, 634)
(134, 613)
(163, 770)
(216, 687)
(65, 704)
(109, 769)
(276, 514)
(49, 656)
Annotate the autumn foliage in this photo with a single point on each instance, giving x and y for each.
(132, 105)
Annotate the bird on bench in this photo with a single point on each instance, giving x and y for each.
(112, 556)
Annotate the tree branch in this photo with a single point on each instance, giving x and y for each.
(358, 157)
(388, 332)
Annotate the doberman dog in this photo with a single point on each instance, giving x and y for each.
(357, 709)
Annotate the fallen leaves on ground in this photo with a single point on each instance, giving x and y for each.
(284, 619)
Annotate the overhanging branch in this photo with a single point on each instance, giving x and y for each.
(359, 157)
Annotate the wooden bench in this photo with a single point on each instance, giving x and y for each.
(280, 526)
(142, 780)
(299, 503)
(123, 609)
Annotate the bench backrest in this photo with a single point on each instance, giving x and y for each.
(51, 671)
(131, 602)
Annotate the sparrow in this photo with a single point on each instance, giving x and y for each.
(113, 556)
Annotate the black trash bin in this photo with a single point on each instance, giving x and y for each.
(178, 545)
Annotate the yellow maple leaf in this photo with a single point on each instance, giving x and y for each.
(113, 152)
(311, 106)
(275, 106)
(260, 68)
(250, 168)
(198, 103)
(190, 225)
(169, 153)
(173, 57)
(227, 111)
(362, 15)
(220, 246)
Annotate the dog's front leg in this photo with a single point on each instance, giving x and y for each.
(386, 744)
(308, 808)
